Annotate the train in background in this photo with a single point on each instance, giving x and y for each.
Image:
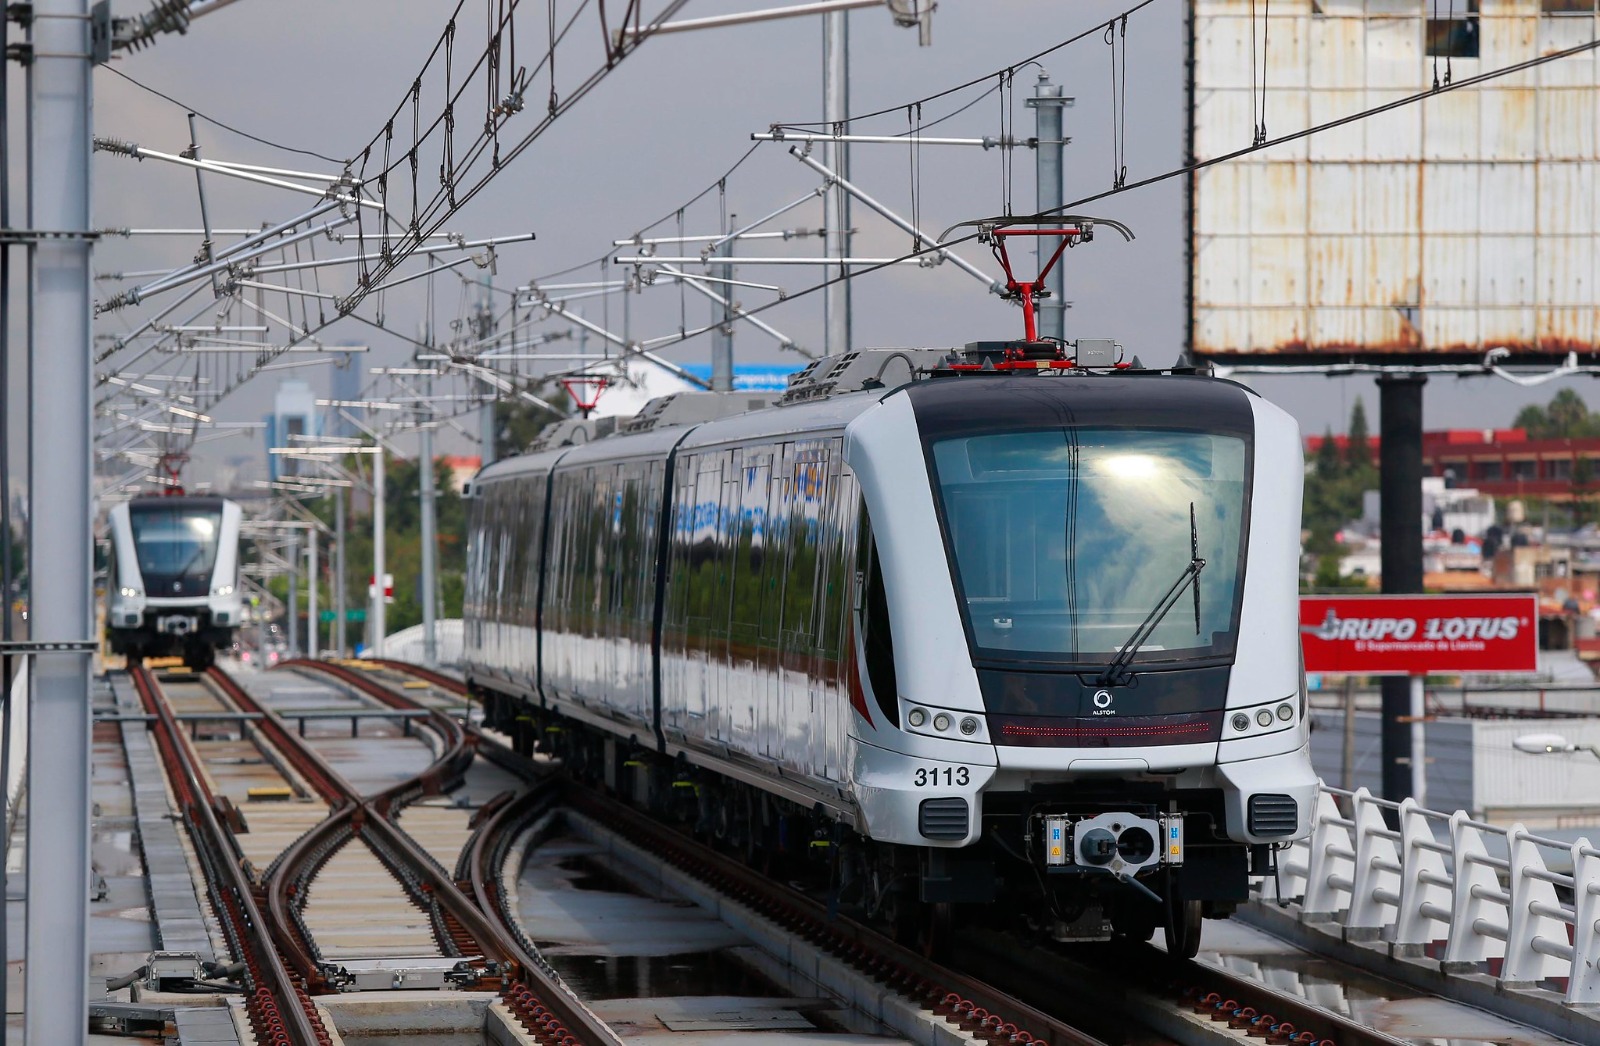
(172, 578)
(982, 627)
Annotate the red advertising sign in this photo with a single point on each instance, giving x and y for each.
(1413, 635)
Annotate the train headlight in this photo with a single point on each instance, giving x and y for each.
(1241, 721)
(969, 726)
(225, 590)
(1264, 717)
(941, 722)
(916, 717)
(130, 593)
(1286, 711)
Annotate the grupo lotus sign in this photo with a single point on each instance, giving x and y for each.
(1413, 635)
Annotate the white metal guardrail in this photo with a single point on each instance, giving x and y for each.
(1480, 898)
(407, 644)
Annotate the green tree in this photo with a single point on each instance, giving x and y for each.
(403, 544)
(1568, 415)
(1358, 455)
(1327, 464)
(1533, 420)
(517, 421)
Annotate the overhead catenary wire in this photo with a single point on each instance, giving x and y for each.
(1064, 211)
(213, 121)
(974, 82)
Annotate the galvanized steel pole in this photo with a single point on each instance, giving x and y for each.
(1047, 103)
(60, 542)
(340, 624)
(484, 329)
(430, 637)
(836, 204)
(379, 523)
(312, 624)
(722, 336)
(294, 593)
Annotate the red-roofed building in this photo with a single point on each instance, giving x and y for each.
(461, 468)
(1504, 463)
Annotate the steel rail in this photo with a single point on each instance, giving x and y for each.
(540, 999)
(280, 1011)
(961, 1000)
(291, 874)
(1277, 1016)
(1218, 994)
(965, 1001)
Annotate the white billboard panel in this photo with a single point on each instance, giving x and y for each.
(1465, 223)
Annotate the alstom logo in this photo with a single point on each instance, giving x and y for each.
(1335, 628)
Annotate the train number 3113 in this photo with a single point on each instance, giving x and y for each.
(934, 776)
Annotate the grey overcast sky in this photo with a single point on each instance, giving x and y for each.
(324, 74)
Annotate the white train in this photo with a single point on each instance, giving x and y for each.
(978, 627)
(172, 580)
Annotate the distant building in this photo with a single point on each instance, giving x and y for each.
(459, 469)
(1503, 463)
(344, 383)
(294, 413)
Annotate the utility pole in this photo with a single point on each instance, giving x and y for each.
(294, 593)
(1047, 103)
(375, 616)
(60, 540)
(340, 625)
(722, 337)
(430, 638)
(836, 202)
(312, 624)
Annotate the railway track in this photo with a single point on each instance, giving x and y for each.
(290, 951)
(1191, 992)
(280, 1011)
(965, 1002)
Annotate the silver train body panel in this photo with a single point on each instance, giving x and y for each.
(766, 645)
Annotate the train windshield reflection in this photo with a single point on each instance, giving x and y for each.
(1064, 538)
(174, 543)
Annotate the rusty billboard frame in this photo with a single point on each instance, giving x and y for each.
(1455, 281)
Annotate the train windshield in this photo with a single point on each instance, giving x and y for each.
(1065, 540)
(175, 542)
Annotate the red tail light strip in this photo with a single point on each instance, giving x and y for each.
(1124, 732)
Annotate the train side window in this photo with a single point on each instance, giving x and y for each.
(774, 551)
(750, 540)
(877, 636)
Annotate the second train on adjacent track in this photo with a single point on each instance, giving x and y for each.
(973, 628)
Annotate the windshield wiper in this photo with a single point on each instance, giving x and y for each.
(1116, 673)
